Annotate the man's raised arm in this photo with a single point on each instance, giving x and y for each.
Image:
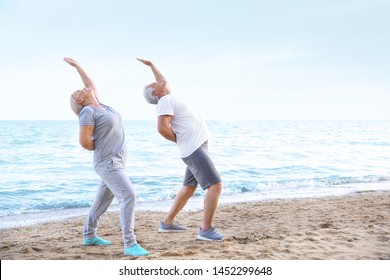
(159, 77)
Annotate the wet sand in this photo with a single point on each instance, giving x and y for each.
(352, 227)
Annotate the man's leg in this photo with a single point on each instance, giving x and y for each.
(203, 171)
(182, 197)
(179, 202)
(210, 205)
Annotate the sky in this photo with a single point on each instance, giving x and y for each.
(233, 60)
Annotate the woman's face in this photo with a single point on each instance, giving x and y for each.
(83, 94)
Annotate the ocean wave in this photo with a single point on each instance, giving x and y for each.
(328, 182)
(40, 199)
(370, 143)
(44, 168)
(31, 208)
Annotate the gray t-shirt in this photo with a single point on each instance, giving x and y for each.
(108, 135)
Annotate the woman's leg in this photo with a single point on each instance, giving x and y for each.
(117, 180)
(102, 201)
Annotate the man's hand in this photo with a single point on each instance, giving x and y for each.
(146, 62)
(160, 79)
(164, 127)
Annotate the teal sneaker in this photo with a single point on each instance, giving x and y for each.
(96, 241)
(136, 251)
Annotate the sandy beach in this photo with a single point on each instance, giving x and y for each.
(353, 227)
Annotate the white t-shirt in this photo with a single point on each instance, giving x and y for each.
(190, 129)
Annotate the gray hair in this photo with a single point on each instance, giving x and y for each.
(76, 108)
(149, 97)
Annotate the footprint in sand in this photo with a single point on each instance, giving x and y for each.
(171, 254)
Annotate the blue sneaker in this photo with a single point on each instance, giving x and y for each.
(174, 227)
(96, 241)
(209, 235)
(136, 251)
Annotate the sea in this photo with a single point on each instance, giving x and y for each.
(45, 175)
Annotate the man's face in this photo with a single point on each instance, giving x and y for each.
(158, 87)
(154, 87)
(149, 94)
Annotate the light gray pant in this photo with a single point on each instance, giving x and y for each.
(114, 183)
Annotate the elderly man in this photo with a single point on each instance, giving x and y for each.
(180, 123)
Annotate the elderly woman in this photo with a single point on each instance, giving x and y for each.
(101, 131)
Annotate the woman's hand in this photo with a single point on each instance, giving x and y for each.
(71, 61)
(87, 81)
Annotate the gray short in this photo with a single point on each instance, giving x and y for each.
(200, 169)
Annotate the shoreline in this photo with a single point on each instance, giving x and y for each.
(13, 221)
(354, 227)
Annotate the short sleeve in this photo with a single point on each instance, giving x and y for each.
(86, 117)
(165, 107)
